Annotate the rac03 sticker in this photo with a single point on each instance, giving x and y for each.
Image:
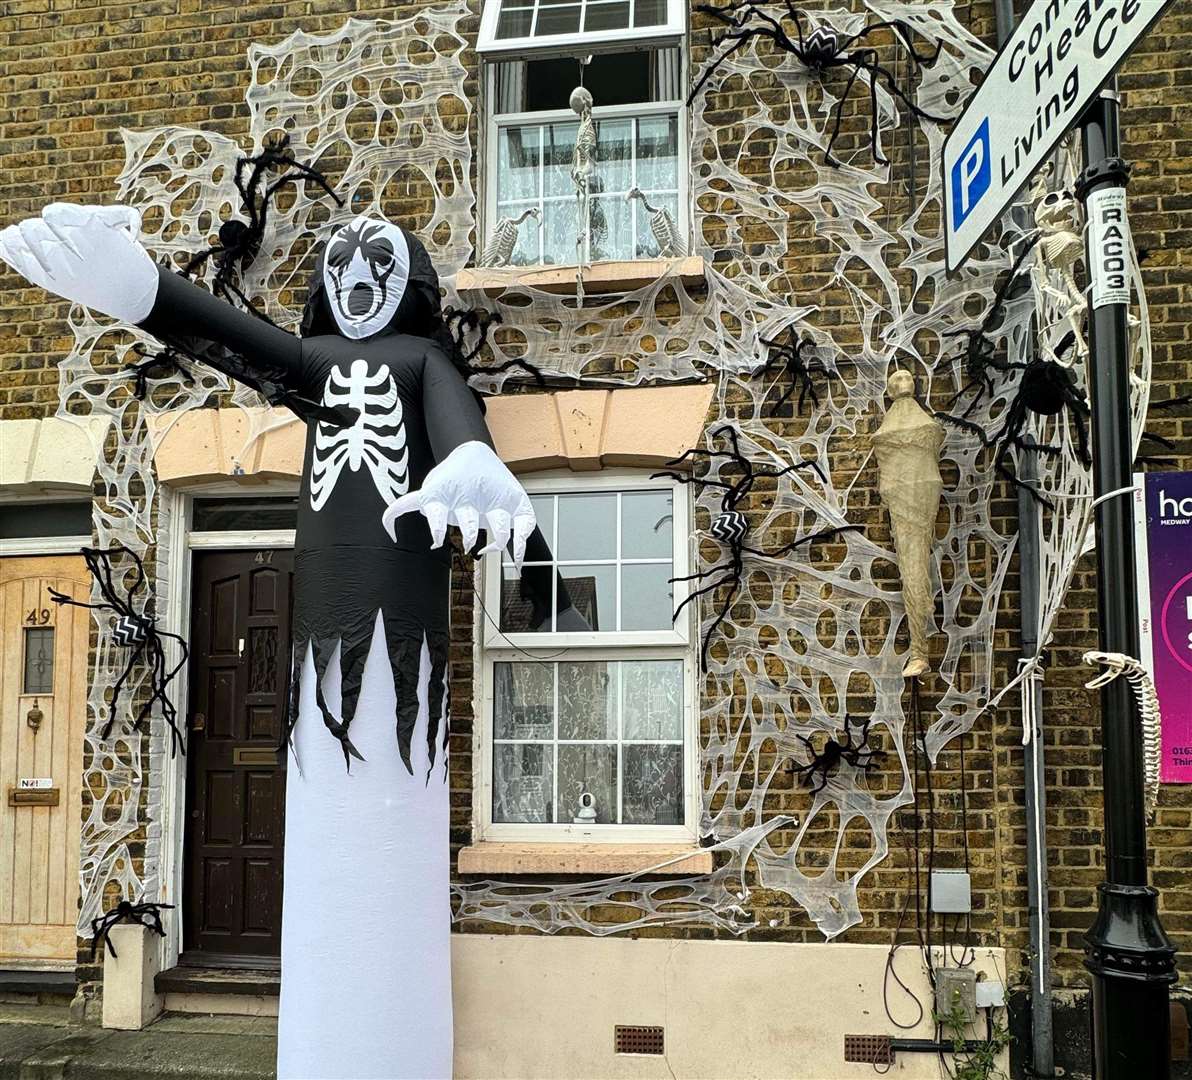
(1109, 246)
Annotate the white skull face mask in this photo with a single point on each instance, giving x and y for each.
(365, 274)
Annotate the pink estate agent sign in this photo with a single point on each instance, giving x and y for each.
(1163, 517)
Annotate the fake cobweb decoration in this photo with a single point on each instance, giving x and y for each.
(381, 109)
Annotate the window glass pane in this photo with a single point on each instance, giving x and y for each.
(653, 696)
(614, 156)
(652, 787)
(39, 660)
(607, 16)
(587, 527)
(514, 22)
(647, 525)
(523, 701)
(587, 701)
(25, 519)
(557, 151)
(221, 515)
(523, 782)
(519, 157)
(657, 147)
(615, 78)
(588, 780)
(647, 601)
(593, 591)
(560, 19)
(519, 612)
(649, 12)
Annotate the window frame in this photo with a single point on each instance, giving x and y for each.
(674, 28)
(492, 647)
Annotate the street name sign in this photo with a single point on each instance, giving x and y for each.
(1060, 55)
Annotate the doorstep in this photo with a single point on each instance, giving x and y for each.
(184, 979)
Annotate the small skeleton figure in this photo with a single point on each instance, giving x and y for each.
(500, 247)
(731, 526)
(1058, 249)
(161, 364)
(666, 233)
(583, 166)
(824, 764)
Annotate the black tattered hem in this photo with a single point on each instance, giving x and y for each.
(405, 665)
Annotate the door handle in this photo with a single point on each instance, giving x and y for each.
(198, 722)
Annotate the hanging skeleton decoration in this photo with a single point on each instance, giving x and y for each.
(503, 242)
(240, 240)
(731, 526)
(1059, 248)
(136, 632)
(1046, 387)
(583, 167)
(825, 763)
(146, 914)
(154, 366)
(788, 356)
(411, 455)
(820, 51)
(671, 244)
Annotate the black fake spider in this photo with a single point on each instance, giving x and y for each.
(459, 325)
(1146, 457)
(826, 762)
(147, 914)
(789, 355)
(154, 366)
(239, 241)
(138, 633)
(820, 50)
(1046, 387)
(731, 526)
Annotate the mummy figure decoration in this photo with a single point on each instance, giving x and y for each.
(671, 244)
(820, 50)
(503, 242)
(583, 167)
(1059, 248)
(396, 452)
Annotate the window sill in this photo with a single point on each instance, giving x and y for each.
(519, 858)
(600, 277)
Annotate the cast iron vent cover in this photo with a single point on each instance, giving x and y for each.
(645, 1039)
(868, 1049)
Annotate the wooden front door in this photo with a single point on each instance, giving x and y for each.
(239, 683)
(43, 715)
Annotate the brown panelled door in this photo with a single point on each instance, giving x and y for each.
(239, 681)
(43, 714)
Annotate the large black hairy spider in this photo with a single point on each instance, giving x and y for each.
(154, 366)
(239, 241)
(731, 526)
(821, 50)
(460, 324)
(139, 633)
(147, 914)
(1047, 387)
(789, 354)
(825, 763)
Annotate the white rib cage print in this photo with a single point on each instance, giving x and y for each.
(377, 439)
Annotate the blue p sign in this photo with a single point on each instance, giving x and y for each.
(970, 175)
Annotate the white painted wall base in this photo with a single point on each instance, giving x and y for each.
(531, 1006)
(129, 999)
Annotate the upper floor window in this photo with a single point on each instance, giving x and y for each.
(641, 141)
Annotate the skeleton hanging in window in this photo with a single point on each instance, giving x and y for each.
(731, 527)
(583, 166)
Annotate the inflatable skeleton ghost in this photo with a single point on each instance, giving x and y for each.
(392, 428)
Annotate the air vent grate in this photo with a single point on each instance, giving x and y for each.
(868, 1049)
(640, 1039)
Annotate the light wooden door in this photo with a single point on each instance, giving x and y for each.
(43, 670)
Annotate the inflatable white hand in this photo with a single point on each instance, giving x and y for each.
(88, 254)
(470, 482)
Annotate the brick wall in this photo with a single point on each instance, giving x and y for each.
(74, 71)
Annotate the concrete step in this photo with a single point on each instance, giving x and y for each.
(40, 1044)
